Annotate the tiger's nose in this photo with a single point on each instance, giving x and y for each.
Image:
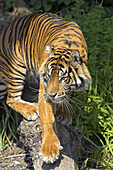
(61, 94)
(53, 95)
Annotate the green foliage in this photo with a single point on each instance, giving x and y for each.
(8, 124)
(9, 4)
(95, 116)
(48, 5)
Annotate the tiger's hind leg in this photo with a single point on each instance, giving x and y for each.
(62, 114)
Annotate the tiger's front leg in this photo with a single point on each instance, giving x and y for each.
(50, 143)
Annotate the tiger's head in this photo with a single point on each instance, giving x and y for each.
(63, 71)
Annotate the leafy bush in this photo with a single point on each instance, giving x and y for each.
(95, 115)
(48, 5)
(8, 124)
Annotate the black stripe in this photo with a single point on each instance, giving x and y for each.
(3, 90)
(73, 35)
(31, 55)
(53, 64)
(66, 56)
(61, 65)
(3, 40)
(15, 85)
(16, 91)
(12, 27)
(13, 97)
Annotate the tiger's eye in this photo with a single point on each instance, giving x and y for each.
(48, 76)
(63, 79)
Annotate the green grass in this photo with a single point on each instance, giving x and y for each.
(95, 115)
(8, 124)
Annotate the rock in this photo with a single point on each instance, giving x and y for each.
(30, 135)
(16, 163)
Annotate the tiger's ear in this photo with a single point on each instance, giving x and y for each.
(75, 55)
(48, 49)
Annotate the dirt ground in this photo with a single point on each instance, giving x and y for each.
(18, 155)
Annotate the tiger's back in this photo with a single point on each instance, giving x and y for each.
(29, 35)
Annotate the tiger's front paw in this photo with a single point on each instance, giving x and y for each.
(50, 149)
(30, 112)
(26, 109)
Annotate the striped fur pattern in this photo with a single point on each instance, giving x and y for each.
(47, 54)
(3, 89)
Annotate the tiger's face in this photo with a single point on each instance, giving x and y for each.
(62, 72)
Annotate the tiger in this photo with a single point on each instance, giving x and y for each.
(46, 51)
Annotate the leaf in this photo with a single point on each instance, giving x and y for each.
(110, 109)
(104, 111)
(1, 142)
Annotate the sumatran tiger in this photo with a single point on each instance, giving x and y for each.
(45, 50)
